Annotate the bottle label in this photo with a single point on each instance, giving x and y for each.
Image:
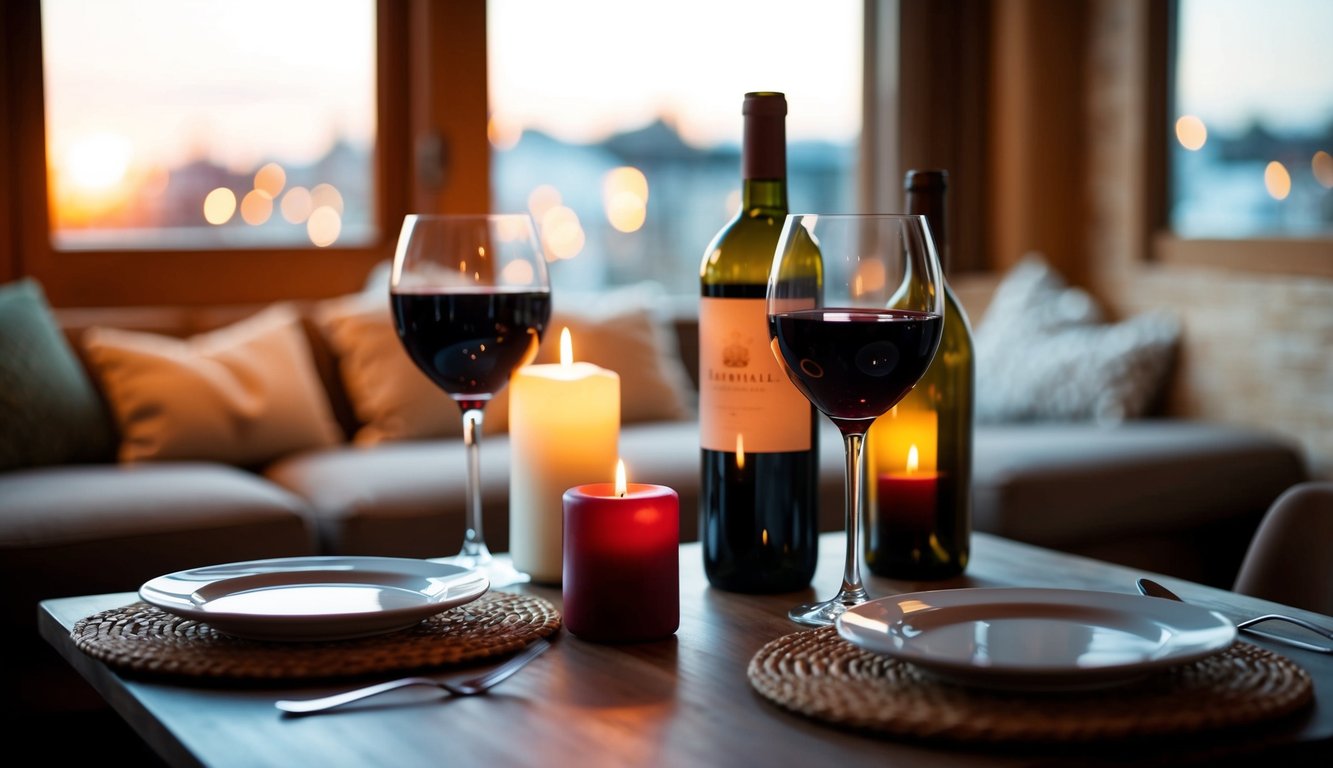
(745, 398)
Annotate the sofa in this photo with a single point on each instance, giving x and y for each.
(378, 468)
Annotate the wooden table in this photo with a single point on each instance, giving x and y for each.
(680, 702)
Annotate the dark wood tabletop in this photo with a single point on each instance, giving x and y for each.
(684, 701)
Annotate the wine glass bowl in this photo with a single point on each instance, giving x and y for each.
(855, 311)
(471, 300)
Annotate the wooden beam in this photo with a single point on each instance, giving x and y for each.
(1036, 198)
(449, 107)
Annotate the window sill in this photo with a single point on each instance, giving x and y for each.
(1287, 256)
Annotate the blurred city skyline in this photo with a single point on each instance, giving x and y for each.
(163, 113)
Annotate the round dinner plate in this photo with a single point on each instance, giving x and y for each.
(1036, 639)
(314, 598)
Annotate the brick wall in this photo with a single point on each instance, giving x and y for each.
(1258, 346)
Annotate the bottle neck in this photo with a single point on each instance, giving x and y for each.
(764, 155)
(930, 203)
(765, 195)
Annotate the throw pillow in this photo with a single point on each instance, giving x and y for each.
(244, 394)
(50, 412)
(619, 330)
(391, 397)
(1045, 353)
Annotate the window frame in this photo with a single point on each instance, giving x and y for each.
(432, 155)
(1307, 256)
(411, 72)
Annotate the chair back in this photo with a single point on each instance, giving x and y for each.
(1290, 559)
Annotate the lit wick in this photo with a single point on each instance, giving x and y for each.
(621, 485)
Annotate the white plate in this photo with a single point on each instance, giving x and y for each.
(1036, 639)
(314, 598)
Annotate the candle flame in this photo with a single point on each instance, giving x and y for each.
(622, 487)
(740, 451)
(566, 348)
(913, 459)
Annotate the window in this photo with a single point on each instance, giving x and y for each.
(190, 124)
(103, 217)
(617, 125)
(1251, 148)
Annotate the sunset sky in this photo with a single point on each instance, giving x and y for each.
(157, 82)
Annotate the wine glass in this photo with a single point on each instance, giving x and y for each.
(471, 300)
(855, 310)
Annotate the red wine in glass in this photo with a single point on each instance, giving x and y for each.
(471, 298)
(854, 365)
(469, 343)
(854, 318)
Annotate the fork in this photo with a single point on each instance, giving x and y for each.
(1153, 589)
(469, 687)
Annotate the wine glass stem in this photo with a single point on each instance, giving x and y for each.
(852, 590)
(474, 544)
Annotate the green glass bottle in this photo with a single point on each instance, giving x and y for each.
(758, 517)
(919, 454)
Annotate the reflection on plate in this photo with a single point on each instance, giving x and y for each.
(314, 598)
(1036, 639)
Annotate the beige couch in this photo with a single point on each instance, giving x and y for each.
(1172, 496)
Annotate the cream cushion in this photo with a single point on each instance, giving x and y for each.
(1046, 353)
(244, 394)
(620, 331)
(391, 397)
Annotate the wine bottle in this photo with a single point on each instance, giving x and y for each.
(919, 454)
(759, 486)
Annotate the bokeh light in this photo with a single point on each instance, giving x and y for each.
(518, 273)
(1277, 180)
(326, 196)
(542, 199)
(219, 206)
(625, 196)
(1191, 132)
(324, 226)
(562, 234)
(297, 205)
(1322, 167)
(504, 134)
(270, 179)
(256, 207)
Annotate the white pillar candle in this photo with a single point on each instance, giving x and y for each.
(564, 431)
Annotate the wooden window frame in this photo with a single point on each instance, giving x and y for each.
(426, 54)
(1270, 255)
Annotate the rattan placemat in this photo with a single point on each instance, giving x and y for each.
(818, 674)
(141, 638)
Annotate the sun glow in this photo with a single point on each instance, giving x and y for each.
(97, 162)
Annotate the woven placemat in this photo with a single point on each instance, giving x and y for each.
(141, 638)
(818, 674)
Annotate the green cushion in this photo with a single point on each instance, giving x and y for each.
(49, 411)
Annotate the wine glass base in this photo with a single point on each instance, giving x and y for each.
(826, 613)
(500, 571)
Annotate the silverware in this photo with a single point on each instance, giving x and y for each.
(469, 687)
(1153, 589)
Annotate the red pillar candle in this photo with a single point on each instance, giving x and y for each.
(621, 561)
(906, 500)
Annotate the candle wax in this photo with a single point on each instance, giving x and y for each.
(622, 562)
